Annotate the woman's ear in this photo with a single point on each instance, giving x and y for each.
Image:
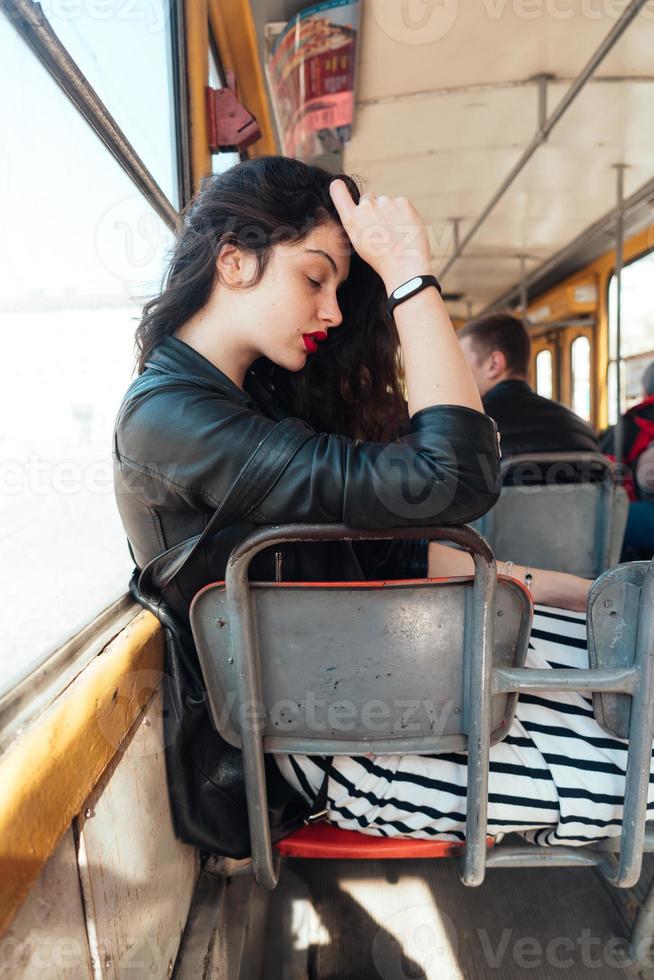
(234, 266)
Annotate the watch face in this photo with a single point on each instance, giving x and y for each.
(407, 287)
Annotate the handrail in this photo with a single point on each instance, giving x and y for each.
(543, 132)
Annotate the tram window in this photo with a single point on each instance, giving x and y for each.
(544, 373)
(80, 249)
(219, 161)
(124, 49)
(580, 362)
(636, 332)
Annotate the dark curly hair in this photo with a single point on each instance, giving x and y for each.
(354, 385)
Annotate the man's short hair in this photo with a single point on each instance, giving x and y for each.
(648, 380)
(503, 332)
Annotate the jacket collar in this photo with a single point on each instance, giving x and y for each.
(512, 386)
(173, 356)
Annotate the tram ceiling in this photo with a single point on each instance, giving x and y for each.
(446, 120)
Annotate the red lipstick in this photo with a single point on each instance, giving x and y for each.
(311, 340)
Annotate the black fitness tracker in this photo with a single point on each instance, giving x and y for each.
(408, 289)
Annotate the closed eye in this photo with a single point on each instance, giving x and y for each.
(314, 283)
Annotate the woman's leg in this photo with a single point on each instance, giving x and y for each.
(556, 776)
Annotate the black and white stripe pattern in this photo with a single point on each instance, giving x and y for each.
(556, 777)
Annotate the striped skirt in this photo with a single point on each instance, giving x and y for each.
(557, 777)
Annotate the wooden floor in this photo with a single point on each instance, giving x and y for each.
(342, 920)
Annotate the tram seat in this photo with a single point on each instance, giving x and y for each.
(354, 668)
(562, 511)
(455, 643)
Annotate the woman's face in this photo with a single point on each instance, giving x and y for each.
(291, 310)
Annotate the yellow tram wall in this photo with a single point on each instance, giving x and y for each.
(567, 300)
(581, 295)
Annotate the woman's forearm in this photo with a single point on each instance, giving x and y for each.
(546, 587)
(435, 370)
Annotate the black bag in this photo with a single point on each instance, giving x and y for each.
(205, 774)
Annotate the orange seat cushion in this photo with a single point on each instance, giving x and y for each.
(323, 840)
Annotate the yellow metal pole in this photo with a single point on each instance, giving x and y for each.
(196, 17)
(235, 34)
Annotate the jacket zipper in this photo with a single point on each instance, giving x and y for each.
(278, 566)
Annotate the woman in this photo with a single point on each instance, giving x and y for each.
(271, 327)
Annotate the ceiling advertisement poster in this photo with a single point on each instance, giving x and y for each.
(311, 72)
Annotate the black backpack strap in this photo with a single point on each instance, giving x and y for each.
(319, 809)
(257, 477)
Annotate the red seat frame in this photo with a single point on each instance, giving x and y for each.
(324, 841)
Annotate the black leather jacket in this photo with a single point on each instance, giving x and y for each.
(184, 431)
(182, 435)
(529, 423)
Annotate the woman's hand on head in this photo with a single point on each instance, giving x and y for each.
(387, 232)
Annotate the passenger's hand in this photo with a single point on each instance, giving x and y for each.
(387, 232)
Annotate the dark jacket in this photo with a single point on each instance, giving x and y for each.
(183, 433)
(529, 423)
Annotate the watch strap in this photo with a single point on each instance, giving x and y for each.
(408, 289)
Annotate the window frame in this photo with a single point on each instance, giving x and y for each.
(571, 341)
(40, 684)
(43, 679)
(549, 340)
(35, 30)
(610, 275)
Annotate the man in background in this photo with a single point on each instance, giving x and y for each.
(498, 348)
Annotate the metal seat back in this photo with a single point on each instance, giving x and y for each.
(353, 668)
(562, 511)
(615, 615)
(376, 647)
